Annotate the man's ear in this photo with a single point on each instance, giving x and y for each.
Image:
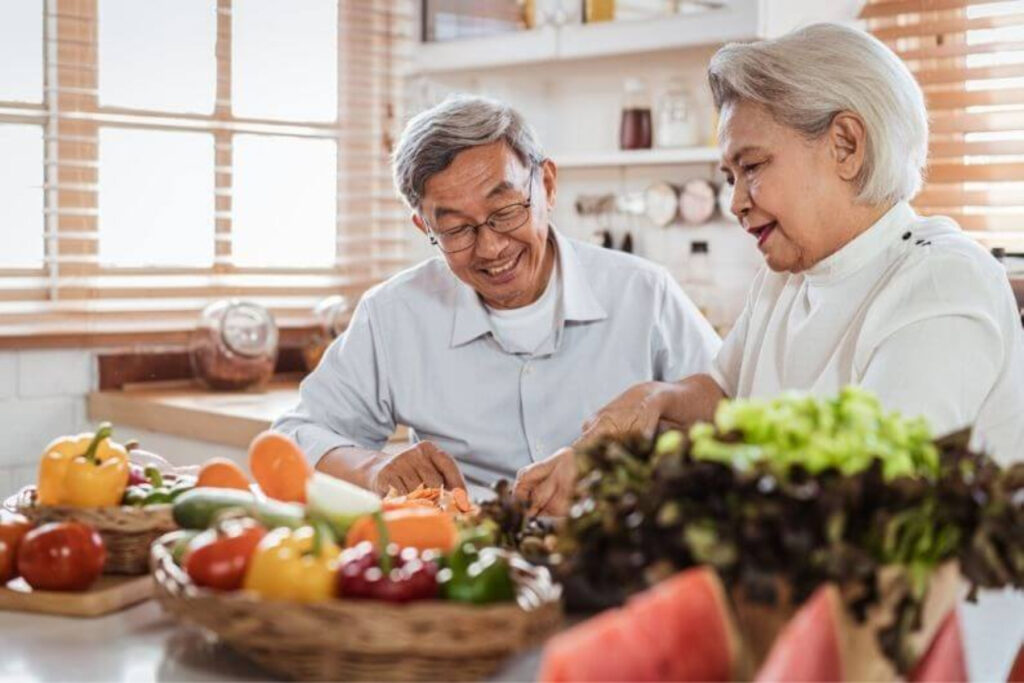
(848, 143)
(418, 222)
(549, 174)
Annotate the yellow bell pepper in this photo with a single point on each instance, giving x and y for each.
(88, 470)
(297, 565)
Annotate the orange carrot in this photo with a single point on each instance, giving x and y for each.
(279, 467)
(222, 473)
(420, 527)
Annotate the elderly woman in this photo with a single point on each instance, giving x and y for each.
(824, 137)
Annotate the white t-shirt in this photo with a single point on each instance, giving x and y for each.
(523, 330)
(911, 309)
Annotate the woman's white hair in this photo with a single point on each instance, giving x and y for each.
(806, 77)
(433, 138)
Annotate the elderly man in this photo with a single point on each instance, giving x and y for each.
(495, 352)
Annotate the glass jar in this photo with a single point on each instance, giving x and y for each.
(234, 345)
(331, 317)
(677, 124)
(635, 126)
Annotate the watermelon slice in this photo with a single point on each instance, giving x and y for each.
(680, 630)
(1017, 670)
(808, 648)
(944, 660)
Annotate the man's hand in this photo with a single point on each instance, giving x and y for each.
(547, 485)
(421, 463)
(637, 410)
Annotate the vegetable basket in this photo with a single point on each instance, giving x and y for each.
(363, 639)
(127, 531)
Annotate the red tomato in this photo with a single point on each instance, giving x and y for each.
(12, 529)
(218, 558)
(7, 569)
(61, 556)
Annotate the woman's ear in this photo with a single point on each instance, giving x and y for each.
(848, 142)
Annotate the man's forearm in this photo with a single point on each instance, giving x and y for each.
(690, 400)
(351, 464)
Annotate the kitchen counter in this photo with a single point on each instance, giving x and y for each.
(187, 410)
(143, 644)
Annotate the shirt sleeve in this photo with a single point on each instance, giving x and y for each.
(685, 342)
(940, 367)
(725, 369)
(345, 401)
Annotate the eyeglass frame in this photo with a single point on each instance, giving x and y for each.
(528, 204)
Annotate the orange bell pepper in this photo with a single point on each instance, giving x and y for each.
(88, 470)
(410, 527)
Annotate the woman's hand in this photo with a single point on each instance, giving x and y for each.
(638, 410)
(547, 485)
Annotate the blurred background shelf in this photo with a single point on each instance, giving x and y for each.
(639, 157)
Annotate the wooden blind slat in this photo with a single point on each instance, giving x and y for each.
(892, 8)
(925, 29)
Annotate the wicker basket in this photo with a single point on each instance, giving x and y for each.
(366, 640)
(127, 531)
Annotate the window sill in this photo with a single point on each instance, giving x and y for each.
(54, 334)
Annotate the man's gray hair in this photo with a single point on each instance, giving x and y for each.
(807, 77)
(433, 137)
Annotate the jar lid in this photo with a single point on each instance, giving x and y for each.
(248, 329)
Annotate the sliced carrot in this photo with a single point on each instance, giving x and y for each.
(401, 503)
(223, 474)
(279, 467)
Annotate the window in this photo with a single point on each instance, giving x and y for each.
(969, 58)
(284, 194)
(161, 154)
(21, 196)
(156, 198)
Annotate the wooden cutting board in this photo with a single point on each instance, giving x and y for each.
(109, 594)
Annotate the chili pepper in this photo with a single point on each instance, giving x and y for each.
(87, 471)
(136, 494)
(476, 575)
(297, 565)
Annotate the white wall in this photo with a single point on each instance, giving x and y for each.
(43, 396)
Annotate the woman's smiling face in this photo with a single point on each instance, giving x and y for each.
(786, 190)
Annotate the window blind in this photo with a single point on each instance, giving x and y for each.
(74, 285)
(968, 56)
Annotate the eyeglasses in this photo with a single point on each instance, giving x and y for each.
(505, 219)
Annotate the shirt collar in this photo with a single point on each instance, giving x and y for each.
(579, 304)
(864, 247)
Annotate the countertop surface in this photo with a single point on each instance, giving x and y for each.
(143, 644)
(229, 418)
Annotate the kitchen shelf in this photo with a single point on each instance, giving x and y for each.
(739, 20)
(638, 157)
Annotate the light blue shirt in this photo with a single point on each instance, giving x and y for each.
(420, 351)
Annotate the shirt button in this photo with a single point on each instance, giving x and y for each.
(539, 447)
(527, 369)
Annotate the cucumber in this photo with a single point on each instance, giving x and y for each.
(338, 502)
(198, 508)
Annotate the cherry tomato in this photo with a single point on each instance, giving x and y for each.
(61, 556)
(12, 529)
(217, 558)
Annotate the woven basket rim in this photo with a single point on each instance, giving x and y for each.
(119, 518)
(547, 591)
